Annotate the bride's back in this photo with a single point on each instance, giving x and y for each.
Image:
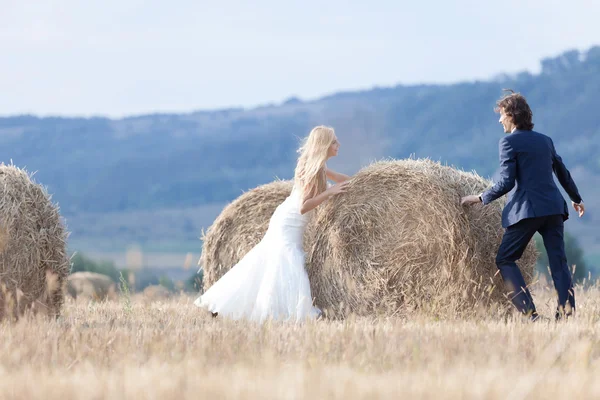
(287, 222)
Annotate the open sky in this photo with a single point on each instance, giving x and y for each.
(123, 57)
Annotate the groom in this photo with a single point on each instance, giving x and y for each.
(527, 160)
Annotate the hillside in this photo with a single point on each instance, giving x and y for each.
(160, 164)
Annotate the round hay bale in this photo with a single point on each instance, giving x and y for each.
(33, 252)
(239, 227)
(91, 286)
(156, 292)
(399, 239)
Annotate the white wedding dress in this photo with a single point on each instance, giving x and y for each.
(270, 280)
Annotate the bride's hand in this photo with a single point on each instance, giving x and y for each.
(338, 188)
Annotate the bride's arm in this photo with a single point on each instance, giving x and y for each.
(310, 203)
(337, 177)
(313, 202)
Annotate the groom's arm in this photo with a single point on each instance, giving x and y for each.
(564, 176)
(508, 173)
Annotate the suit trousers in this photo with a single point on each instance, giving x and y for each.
(515, 240)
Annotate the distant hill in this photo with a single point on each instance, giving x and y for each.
(181, 161)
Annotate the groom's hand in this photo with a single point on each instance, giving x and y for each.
(580, 208)
(470, 200)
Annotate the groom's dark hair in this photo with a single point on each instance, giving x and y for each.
(515, 106)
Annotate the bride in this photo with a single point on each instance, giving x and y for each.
(270, 280)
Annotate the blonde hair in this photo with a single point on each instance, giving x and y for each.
(309, 176)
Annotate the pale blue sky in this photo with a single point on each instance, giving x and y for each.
(123, 57)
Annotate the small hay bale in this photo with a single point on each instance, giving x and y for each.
(156, 292)
(33, 252)
(91, 286)
(399, 239)
(239, 227)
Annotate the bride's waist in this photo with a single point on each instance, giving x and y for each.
(292, 227)
(285, 237)
(289, 217)
(287, 225)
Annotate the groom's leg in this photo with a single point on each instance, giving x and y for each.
(514, 242)
(552, 233)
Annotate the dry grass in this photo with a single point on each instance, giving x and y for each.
(173, 350)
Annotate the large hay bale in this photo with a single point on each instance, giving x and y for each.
(91, 286)
(33, 253)
(399, 239)
(239, 227)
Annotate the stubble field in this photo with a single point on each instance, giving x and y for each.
(135, 348)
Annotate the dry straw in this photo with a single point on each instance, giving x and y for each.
(397, 240)
(400, 238)
(33, 252)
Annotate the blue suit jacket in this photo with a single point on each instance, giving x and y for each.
(527, 160)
